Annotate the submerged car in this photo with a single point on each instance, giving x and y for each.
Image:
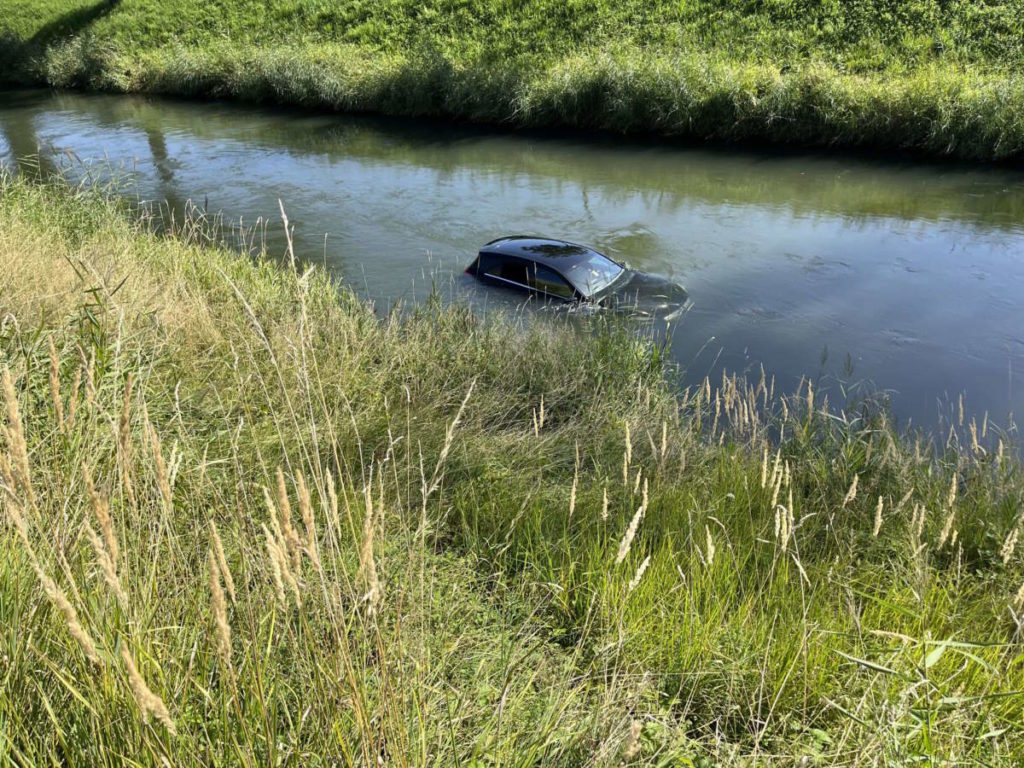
(560, 271)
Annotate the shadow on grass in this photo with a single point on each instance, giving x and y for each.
(17, 56)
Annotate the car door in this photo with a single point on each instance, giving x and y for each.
(508, 272)
(549, 284)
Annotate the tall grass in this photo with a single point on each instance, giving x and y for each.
(248, 521)
(933, 77)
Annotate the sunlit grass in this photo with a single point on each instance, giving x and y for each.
(247, 520)
(932, 77)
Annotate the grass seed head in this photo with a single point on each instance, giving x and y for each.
(220, 610)
(709, 547)
(73, 399)
(367, 573)
(222, 561)
(55, 393)
(947, 529)
(59, 599)
(851, 494)
(150, 705)
(627, 539)
(107, 567)
(635, 581)
(306, 512)
(1009, 544)
(16, 443)
(274, 557)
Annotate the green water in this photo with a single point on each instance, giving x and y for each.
(891, 275)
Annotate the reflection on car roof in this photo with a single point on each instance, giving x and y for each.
(553, 253)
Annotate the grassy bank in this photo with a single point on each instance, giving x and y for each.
(247, 521)
(940, 78)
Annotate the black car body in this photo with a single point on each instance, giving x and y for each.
(561, 271)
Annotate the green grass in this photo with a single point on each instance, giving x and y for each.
(939, 78)
(485, 615)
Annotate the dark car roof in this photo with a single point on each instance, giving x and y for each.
(557, 254)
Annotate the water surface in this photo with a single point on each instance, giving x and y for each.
(906, 276)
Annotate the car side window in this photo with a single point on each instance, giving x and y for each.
(485, 263)
(545, 280)
(509, 269)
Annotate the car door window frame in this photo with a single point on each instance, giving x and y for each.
(553, 276)
(500, 263)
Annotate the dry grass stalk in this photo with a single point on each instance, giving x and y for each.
(222, 561)
(1018, 600)
(961, 409)
(59, 599)
(150, 705)
(367, 574)
(15, 512)
(710, 547)
(90, 378)
(878, 518)
(635, 581)
(632, 750)
(904, 500)
(627, 539)
(76, 388)
(776, 487)
(764, 469)
(918, 521)
(604, 506)
(332, 498)
(572, 492)
(947, 529)
(1009, 544)
(163, 479)
(540, 418)
(636, 481)
(124, 439)
(951, 498)
(284, 511)
(306, 512)
(852, 493)
(629, 446)
(810, 397)
(280, 552)
(15, 437)
(101, 510)
(220, 610)
(449, 438)
(107, 566)
(274, 555)
(55, 394)
(784, 524)
(664, 440)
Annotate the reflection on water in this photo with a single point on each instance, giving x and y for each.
(916, 272)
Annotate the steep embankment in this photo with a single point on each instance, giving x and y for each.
(245, 520)
(940, 78)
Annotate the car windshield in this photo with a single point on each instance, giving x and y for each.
(592, 273)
